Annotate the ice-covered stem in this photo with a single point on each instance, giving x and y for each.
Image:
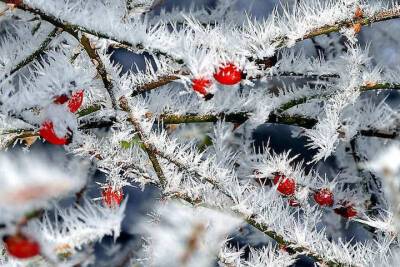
(293, 120)
(97, 62)
(40, 50)
(290, 120)
(92, 53)
(380, 86)
(162, 80)
(383, 15)
(166, 79)
(281, 41)
(291, 247)
(68, 27)
(123, 103)
(94, 56)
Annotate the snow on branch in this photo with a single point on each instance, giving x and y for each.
(220, 181)
(71, 229)
(191, 237)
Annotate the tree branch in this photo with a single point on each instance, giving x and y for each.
(40, 50)
(377, 17)
(382, 15)
(293, 247)
(123, 102)
(97, 62)
(166, 79)
(380, 86)
(162, 80)
(78, 28)
(92, 53)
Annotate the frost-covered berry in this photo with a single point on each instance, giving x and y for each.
(112, 197)
(75, 102)
(286, 186)
(324, 197)
(47, 133)
(201, 85)
(14, 2)
(21, 247)
(346, 210)
(61, 99)
(228, 74)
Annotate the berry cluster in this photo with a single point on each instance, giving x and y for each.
(323, 197)
(227, 74)
(73, 103)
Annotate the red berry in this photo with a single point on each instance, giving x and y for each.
(324, 197)
(48, 134)
(286, 186)
(294, 203)
(21, 247)
(61, 99)
(112, 197)
(201, 85)
(76, 101)
(346, 210)
(14, 2)
(228, 74)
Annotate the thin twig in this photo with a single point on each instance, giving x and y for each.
(35, 54)
(98, 63)
(166, 79)
(150, 150)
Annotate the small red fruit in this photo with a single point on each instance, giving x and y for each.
(201, 85)
(346, 210)
(21, 247)
(111, 197)
(48, 134)
(76, 101)
(61, 99)
(286, 186)
(324, 197)
(228, 74)
(14, 2)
